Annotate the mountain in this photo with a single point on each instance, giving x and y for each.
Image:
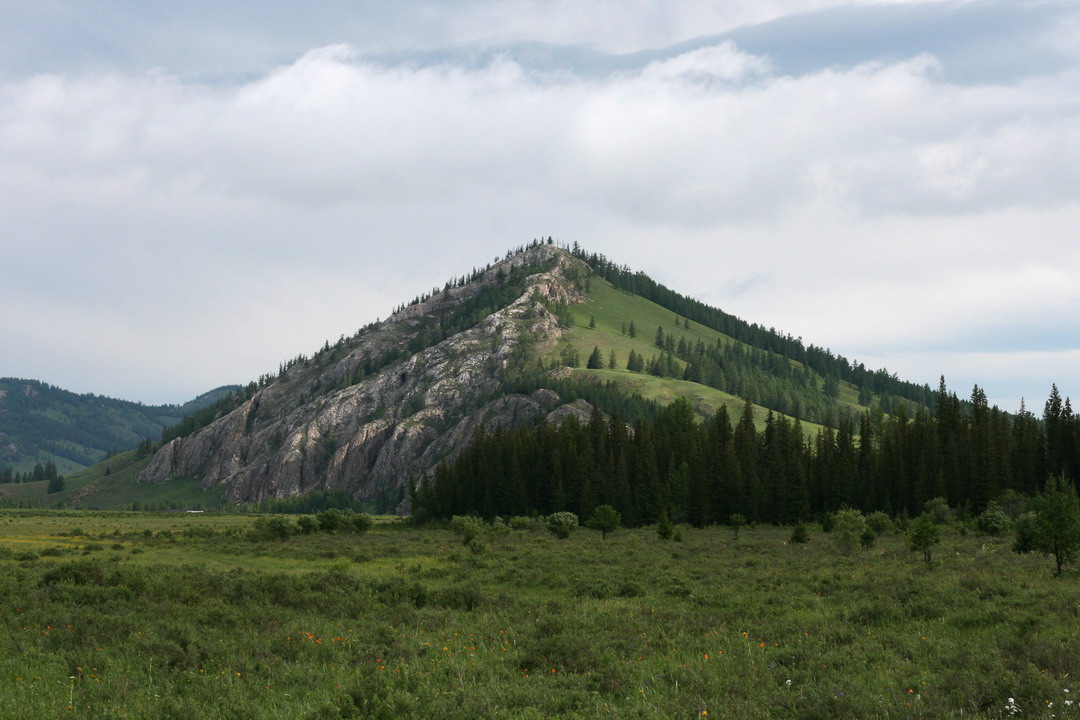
(373, 413)
(40, 423)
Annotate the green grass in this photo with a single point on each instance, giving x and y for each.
(614, 309)
(112, 485)
(176, 615)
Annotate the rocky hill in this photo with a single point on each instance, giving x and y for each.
(380, 409)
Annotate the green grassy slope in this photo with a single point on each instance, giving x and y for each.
(613, 310)
(111, 485)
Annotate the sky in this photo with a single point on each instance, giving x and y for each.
(192, 192)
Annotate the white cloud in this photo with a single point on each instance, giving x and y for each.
(875, 208)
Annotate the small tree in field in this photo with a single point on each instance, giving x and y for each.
(923, 535)
(800, 533)
(606, 519)
(848, 527)
(737, 522)
(664, 529)
(1053, 525)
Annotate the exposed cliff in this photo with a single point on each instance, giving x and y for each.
(383, 407)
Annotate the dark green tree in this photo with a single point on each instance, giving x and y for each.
(606, 519)
(1053, 526)
(664, 529)
(56, 484)
(923, 535)
(596, 360)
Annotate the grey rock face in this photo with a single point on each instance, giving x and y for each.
(318, 426)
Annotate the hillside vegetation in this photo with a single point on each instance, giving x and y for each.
(40, 423)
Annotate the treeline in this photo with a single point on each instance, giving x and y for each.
(38, 419)
(40, 473)
(820, 360)
(702, 473)
(767, 379)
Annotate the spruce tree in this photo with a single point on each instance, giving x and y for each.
(596, 360)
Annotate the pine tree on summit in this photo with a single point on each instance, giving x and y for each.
(596, 360)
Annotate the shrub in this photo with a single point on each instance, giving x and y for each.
(356, 522)
(848, 527)
(827, 522)
(664, 529)
(737, 522)
(467, 526)
(880, 523)
(1053, 526)
(938, 510)
(993, 520)
(923, 535)
(800, 533)
(561, 524)
(272, 527)
(1024, 542)
(329, 520)
(522, 523)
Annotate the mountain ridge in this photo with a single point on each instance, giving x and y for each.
(40, 422)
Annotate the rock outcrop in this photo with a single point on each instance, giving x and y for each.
(370, 414)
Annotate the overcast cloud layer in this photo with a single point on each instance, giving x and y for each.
(189, 194)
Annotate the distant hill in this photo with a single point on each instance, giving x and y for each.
(40, 422)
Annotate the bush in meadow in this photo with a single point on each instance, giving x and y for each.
(923, 535)
(356, 522)
(938, 510)
(737, 522)
(664, 529)
(993, 520)
(848, 527)
(561, 524)
(522, 523)
(1053, 525)
(880, 523)
(272, 527)
(800, 533)
(467, 526)
(329, 520)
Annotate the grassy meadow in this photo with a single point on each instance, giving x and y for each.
(175, 615)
